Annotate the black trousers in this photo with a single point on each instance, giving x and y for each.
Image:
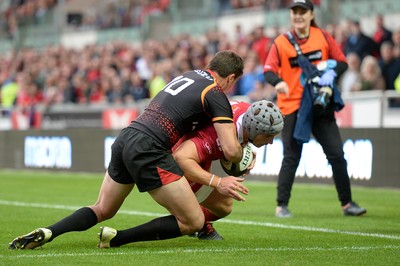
(326, 132)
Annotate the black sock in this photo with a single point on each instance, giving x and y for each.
(157, 229)
(80, 220)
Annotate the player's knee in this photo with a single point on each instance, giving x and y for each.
(192, 226)
(225, 210)
(103, 213)
(222, 210)
(107, 214)
(195, 227)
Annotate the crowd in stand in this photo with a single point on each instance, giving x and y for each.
(121, 73)
(115, 14)
(23, 12)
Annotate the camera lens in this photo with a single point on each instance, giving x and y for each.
(324, 96)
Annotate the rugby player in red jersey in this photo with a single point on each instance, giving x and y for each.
(258, 124)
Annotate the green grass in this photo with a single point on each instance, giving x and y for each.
(318, 234)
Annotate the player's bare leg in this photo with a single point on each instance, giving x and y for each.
(111, 197)
(187, 217)
(178, 198)
(218, 204)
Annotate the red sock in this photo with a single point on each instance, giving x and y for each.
(208, 215)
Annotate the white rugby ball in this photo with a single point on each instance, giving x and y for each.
(238, 169)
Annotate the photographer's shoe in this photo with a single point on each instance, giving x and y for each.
(352, 209)
(282, 212)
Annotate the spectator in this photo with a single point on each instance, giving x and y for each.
(8, 93)
(54, 89)
(381, 33)
(262, 91)
(396, 52)
(29, 96)
(340, 35)
(29, 93)
(143, 64)
(252, 75)
(79, 90)
(261, 43)
(351, 76)
(162, 75)
(390, 68)
(134, 90)
(158, 81)
(358, 42)
(396, 43)
(114, 91)
(371, 77)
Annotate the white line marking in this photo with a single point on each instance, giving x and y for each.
(307, 228)
(253, 223)
(208, 250)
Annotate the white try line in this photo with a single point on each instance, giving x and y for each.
(252, 223)
(206, 250)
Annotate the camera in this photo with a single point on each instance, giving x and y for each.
(323, 96)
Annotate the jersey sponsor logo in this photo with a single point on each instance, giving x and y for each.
(208, 147)
(311, 56)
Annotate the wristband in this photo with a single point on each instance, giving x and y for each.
(212, 178)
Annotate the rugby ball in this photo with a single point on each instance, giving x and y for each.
(238, 169)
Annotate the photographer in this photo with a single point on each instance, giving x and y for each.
(293, 72)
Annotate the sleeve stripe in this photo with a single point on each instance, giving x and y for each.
(222, 118)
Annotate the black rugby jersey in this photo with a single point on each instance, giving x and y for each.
(187, 102)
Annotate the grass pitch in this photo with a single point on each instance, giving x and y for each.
(318, 234)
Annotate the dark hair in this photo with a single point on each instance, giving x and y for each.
(313, 23)
(226, 63)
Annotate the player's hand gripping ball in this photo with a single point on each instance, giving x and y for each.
(238, 169)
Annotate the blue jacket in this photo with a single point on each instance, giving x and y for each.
(303, 127)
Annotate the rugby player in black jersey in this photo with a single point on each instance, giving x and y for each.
(141, 156)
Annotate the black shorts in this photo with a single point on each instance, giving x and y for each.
(138, 158)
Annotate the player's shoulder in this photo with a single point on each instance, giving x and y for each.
(197, 80)
(198, 74)
(239, 105)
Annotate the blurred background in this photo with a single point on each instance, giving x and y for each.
(73, 73)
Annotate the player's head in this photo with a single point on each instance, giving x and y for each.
(226, 63)
(263, 121)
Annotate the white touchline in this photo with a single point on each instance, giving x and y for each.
(207, 250)
(153, 214)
